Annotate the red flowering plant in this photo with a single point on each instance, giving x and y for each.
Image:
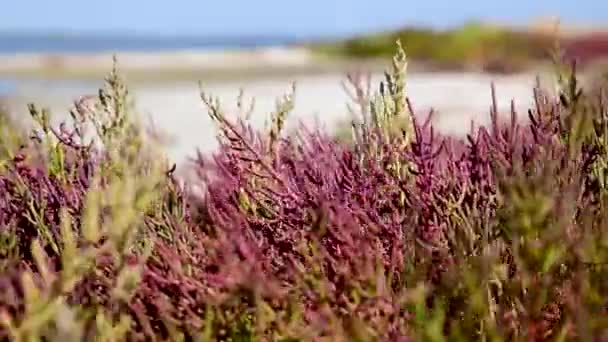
(401, 234)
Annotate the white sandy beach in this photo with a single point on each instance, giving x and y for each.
(236, 64)
(221, 60)
(176, 108)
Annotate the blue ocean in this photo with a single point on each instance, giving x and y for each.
(14, 43)
(83, 43)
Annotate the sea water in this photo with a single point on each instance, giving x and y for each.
(7, 87)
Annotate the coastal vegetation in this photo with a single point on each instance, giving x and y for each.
(399, 234)
(472, 46)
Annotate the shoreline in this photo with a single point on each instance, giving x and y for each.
(213, 65)
(178, 64)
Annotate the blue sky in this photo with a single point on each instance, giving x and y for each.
(304, 17)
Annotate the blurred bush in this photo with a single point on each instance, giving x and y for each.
(474, 45)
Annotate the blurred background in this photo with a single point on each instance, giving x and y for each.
(53, 52)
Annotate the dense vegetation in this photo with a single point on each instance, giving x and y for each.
(401, 235)
(474, 46)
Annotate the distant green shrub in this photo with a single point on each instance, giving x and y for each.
(473, 44)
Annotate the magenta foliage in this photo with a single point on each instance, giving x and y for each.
(344, 233)
(32, 197)
(264, 203)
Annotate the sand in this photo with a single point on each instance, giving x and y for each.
(190, 60)
(176, 108)
(178, 65)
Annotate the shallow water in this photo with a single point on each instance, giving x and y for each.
(177, 109)
(91, 43)
(7, 87)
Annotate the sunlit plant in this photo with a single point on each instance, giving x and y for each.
(399, 234)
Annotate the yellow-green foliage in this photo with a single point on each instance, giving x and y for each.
(111, 226)
(473, 44)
